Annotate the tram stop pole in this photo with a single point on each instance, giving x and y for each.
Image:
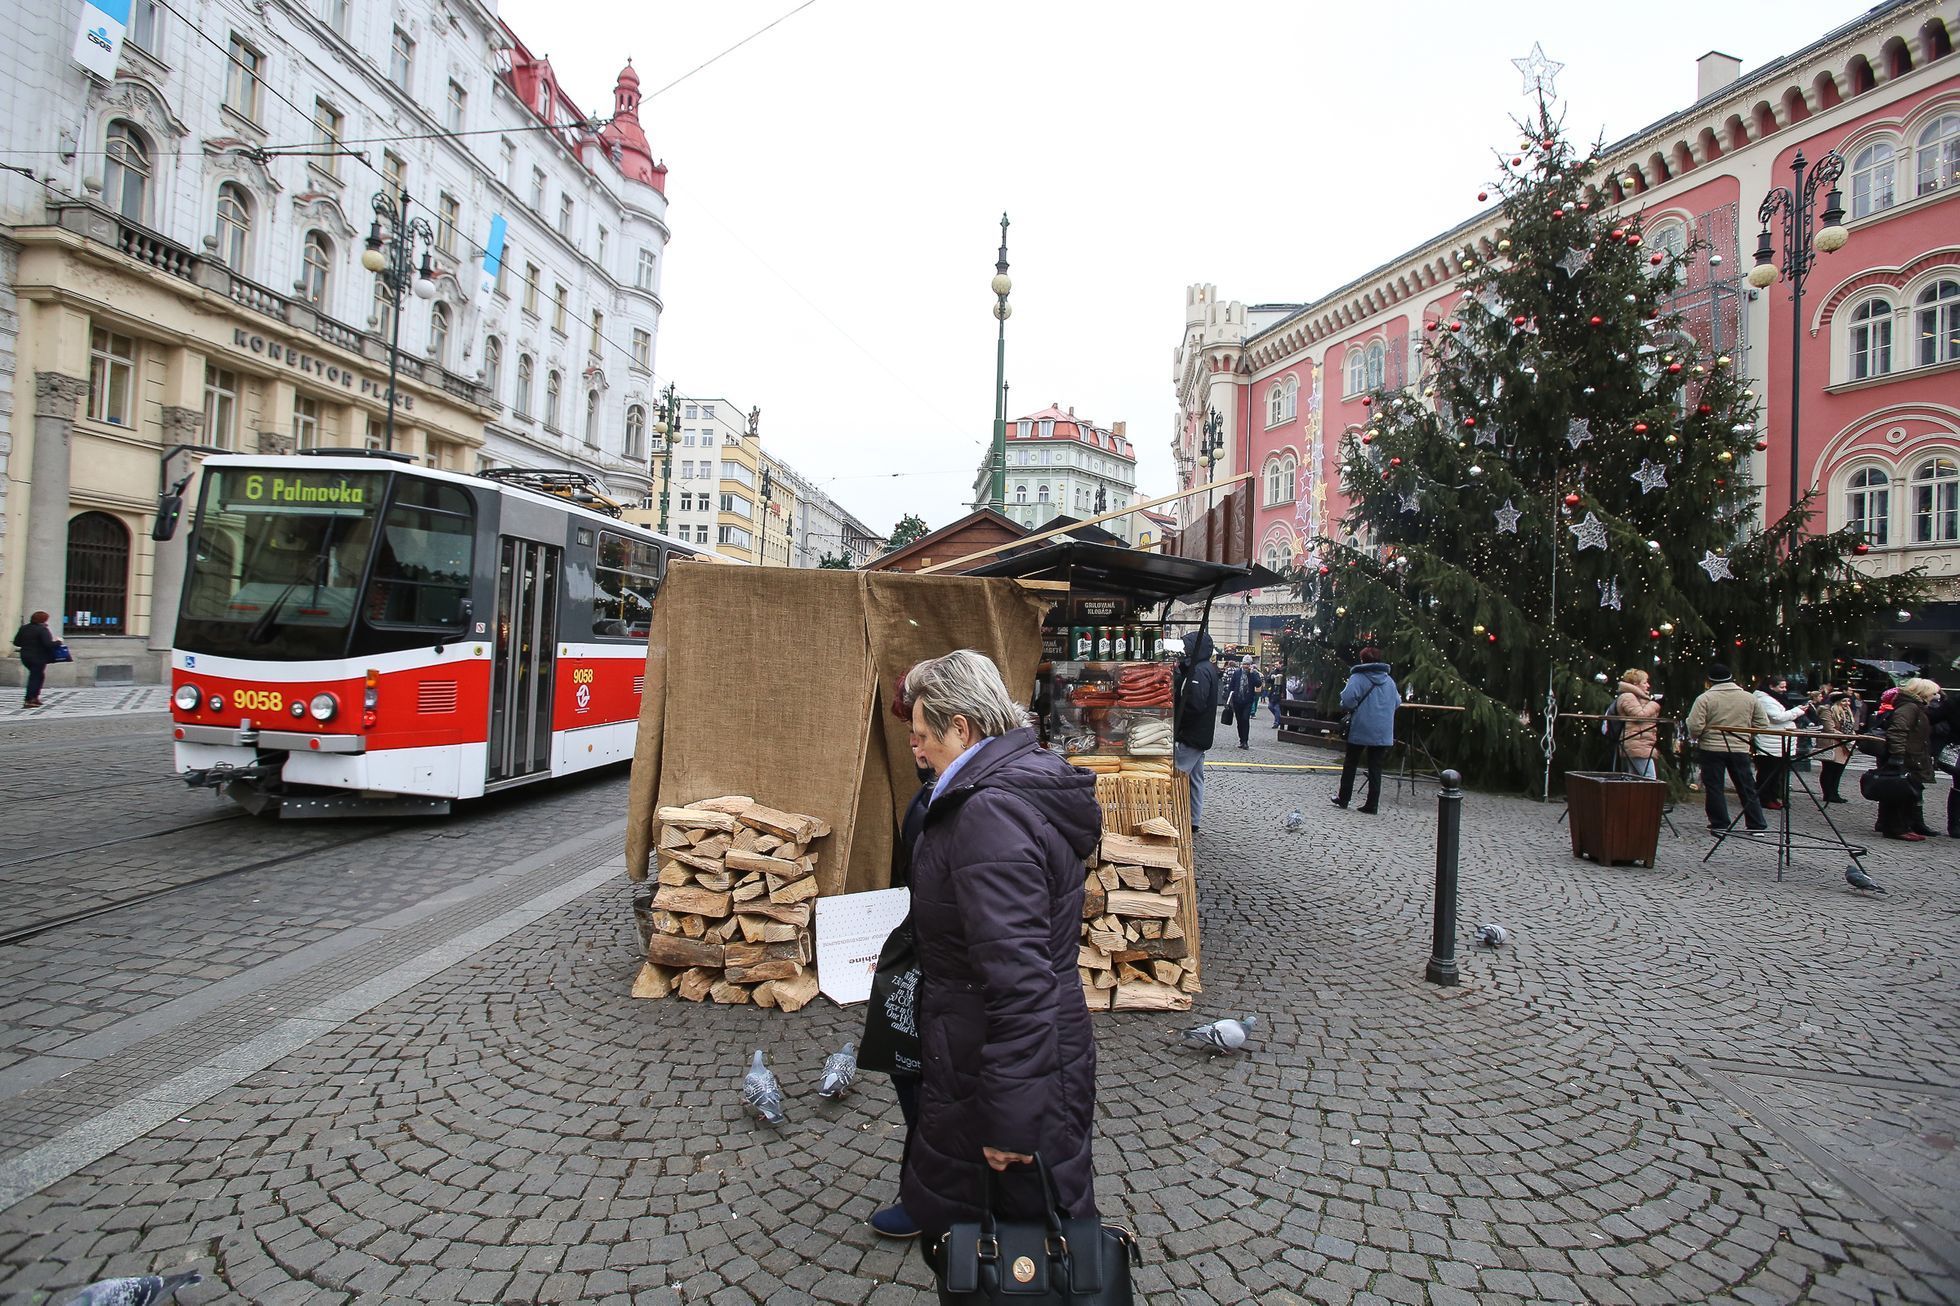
(1449, 822)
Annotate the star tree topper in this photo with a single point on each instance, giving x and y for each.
(1590, 533)
(1507, 519)
(1652, 476)
(1540, 73)
(1715, 565)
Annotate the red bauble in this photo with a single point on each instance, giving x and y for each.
(1547, 142)
(1597, 320)
(1640, 428)
(1571, 500)
(1519, 320)
(1738, 642)
(1367, 438)
(1703, 409)
(1469, 421)
(1861, 548)
(1430, 325)
(1634, 239)
(1395, 462)
(1558, 213)
(1583, 206)
(1491, 637)
(1761, 445)
(1456, 326)
(1721, 483)
(1655, 311)
(1324, 569)
(1618, 233)
(1367, 401)
(1384, 476)
(1517, 162)
(1482, 195)
(1653, 634)
(1657, 259)
(1674, 369)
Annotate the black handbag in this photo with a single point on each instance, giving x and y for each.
(891, 1022)
(1883, 784)
(1054, 1261)
(1225, 717)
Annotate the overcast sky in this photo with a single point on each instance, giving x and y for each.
(836, 186)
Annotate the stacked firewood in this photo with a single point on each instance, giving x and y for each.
(1134, 949)
(732, 906)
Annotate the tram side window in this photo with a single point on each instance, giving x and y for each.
(422, 567)
(627, 577)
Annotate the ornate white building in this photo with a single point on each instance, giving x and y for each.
(185, 269)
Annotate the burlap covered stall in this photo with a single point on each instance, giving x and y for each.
(774, 682)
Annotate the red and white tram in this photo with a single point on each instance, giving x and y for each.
(358, 634)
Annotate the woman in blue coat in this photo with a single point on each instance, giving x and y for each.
(1370, 698)
(1009, 1054)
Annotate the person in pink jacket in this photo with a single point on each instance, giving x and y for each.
(1637, 707)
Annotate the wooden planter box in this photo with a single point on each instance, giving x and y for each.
(1614, 817)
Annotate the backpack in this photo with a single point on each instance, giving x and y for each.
(1614, 728)
(1878, 725)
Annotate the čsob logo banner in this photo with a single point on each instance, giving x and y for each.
(100, 37)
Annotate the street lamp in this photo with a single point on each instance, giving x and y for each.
(391, 258)
(997, 498)
(663, 427)
(1802, 242)
(1211, 443)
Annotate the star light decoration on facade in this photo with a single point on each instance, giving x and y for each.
(1578, 431)
(1575, 261)
(1540, 73)
(1651, 476)
(1590, 533)
(1507, 519)
(1715, 565)
(1609, 593)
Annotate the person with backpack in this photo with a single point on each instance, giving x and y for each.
(1242, 691)
(1197, 687)
(1634, 712)
(38, 649)
(1370, 698)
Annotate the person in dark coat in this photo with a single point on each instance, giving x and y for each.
(1370, 697)
(1242, 687)
(1010, 1057)
(1197, 715)
(1908, 744)
(37, 646)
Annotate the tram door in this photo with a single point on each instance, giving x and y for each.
(527, 633)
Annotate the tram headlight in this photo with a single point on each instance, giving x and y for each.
(299, 709)
(187, 698)
(323, 707)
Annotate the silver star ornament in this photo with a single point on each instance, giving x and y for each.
(1539, 72)
(1411, 501)
(1715, 565)
(1578, 431)
(1609, 593)
(1651, 476)
(1575, 261)
(1590, 533)
(1507, 519)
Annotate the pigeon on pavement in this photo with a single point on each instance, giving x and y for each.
(1221, 1035)
(1492, 936)
(840, 1072)
(142, 1290)
(762, 1094)
(1854, 875)
(1294, 820)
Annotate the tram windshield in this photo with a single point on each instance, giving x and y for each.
(279, 556)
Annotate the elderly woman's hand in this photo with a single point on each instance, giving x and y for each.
(1000, 1160)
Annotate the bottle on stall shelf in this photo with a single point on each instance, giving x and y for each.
(1119, 643)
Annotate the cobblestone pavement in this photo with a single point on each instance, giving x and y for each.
(1689, 1083)
(90, 701)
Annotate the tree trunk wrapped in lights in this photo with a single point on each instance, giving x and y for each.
(1566, 492)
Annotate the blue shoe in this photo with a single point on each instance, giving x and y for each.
(893, 1222)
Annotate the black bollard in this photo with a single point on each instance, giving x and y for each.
(1449, 820)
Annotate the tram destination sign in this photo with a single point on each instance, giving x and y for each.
(330, 373)
(319, 492)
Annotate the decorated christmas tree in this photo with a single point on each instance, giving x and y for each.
(1565, 492)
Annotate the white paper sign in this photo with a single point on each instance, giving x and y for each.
(851, 931)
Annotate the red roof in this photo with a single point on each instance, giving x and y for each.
(1070, 427)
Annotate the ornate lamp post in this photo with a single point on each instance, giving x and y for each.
(1211, 443)
(1802, 242)
(391, 257)
(997, 497)
(663, 426)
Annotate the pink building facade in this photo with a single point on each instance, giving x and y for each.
(1880, 381)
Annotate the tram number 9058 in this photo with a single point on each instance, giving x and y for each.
(258, 700)
(581, 675)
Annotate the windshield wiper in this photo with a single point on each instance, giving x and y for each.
(262, 630)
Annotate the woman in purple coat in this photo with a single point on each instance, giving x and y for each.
(1009, 1054)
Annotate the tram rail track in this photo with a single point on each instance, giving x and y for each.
(48, 925)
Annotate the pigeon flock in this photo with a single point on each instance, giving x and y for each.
(762, 1092)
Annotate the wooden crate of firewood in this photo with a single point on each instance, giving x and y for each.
(731, 913)
(1138, 952)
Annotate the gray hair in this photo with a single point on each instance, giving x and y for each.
(963, 683)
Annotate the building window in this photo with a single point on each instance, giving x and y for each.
(328, 127)
(459, 102)
(449, 216)
(1669, 239)
(1280, 476)
(493, 366)
(1274, 404)
(336, 13)
(736, 537)
(598, 332)
(1377, 364)
(401, 59)
(383, 318)
(707, 412)
(1871, 339)
(537, 191)
(306, 423)
(1868, 505)
(643, 274)
(565, 208)
(700, 534)
(1873, 170)
(234, 230)
(1936, 501)
(394, 171)
(524, 369)
(143, 16)
(531, 289)
(243, 78)
(126, 175)
(1936, 159)
(560, 306)
(439, 333)
(97, 598)
(1936, 321)
(220, 407)
(111, 377)
(1041, 494)
(1047, 427)
(636, 430)
(642, 349)
(687, 501)
(507, 161)
(601, 248)
(503, 272)
(553, 391)
(592, 419)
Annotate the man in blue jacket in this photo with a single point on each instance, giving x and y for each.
(1370, 698)
(1197, 715)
